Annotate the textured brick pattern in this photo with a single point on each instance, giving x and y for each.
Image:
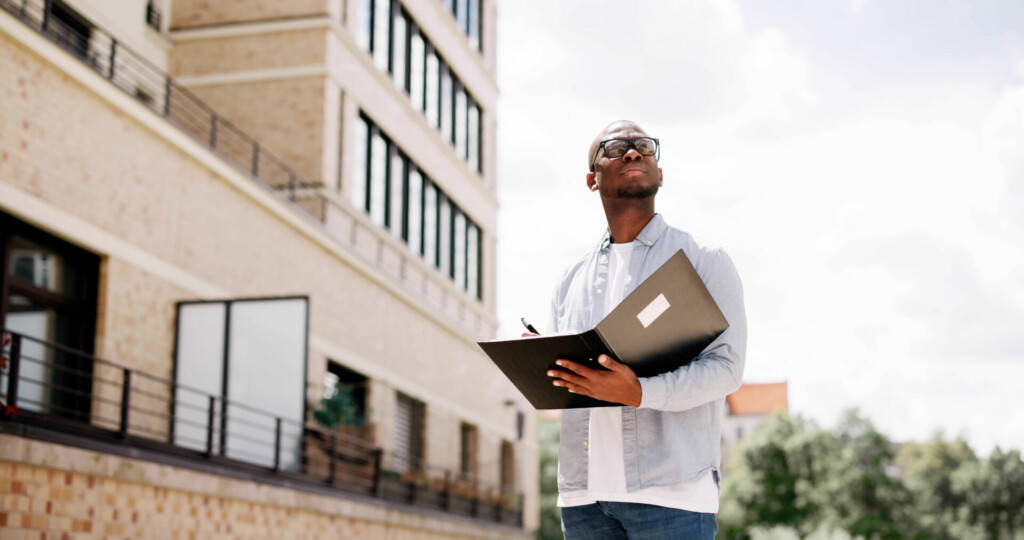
(38, 502)
(188, 13)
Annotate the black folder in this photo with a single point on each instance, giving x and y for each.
(663, 324)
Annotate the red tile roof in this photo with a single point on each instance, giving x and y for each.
(763, 398)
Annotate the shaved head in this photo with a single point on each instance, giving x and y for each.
(618, 125)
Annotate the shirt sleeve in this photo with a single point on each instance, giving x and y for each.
(718, 369)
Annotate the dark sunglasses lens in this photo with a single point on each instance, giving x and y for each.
(645, 146)
(616, 148)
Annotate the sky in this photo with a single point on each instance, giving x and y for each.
(861, 161)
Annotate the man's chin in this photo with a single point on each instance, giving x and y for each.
(636, 192)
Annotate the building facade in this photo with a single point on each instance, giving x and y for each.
(248, 248)
(747, 409)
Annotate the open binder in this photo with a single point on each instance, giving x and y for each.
(663, 324)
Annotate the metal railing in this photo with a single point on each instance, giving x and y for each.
(58, 388)
(151, 86)
(158, 91)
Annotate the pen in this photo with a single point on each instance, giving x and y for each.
(529, 326)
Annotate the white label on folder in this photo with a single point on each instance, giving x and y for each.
(653, 310)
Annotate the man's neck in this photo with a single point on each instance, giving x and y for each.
(627, 217)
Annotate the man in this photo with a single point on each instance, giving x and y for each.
(648, 469)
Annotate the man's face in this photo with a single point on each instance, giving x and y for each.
(632, 176)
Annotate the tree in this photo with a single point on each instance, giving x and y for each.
(993, 494)
(793, 474)
(927, 470)
(550, 517)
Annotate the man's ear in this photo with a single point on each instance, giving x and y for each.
(661, 178)
(592, 184)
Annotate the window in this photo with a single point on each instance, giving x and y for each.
(430, 229)
(461, 119)
(508, 467)
(417, 70)
(378, 179)
(364, 30)
(410, 419)
(468, 450)
(399, 197)
(475, 24)
(347, 389)
(252, 352)
(446, 105)
(398, 46)
(474, 137)
(445, 224)
(459, 252)
(360, 157)
(396, 192)
(48, 292)
(433, 87)
(382, 34)
(473, 260)
(415, 215)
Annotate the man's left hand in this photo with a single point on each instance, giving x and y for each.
(618, 384)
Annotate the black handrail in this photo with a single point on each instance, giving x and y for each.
(341, 461)
(141, 79)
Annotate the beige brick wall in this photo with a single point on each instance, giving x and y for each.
(63, 492)
(286, 116)
(90, 159)
(251, 52)
(187, 13)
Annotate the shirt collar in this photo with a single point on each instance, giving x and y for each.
(650, 233)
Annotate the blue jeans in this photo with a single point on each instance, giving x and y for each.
(635, 521)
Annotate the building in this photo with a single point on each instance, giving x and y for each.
(748, 408)
(248, 248)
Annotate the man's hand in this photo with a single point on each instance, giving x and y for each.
(618, 385)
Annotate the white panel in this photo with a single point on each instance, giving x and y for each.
(266, 372)
(199, 361)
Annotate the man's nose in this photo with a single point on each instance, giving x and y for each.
(632, 155)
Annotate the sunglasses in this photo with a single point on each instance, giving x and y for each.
(616, 148)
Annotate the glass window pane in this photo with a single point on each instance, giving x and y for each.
(462, 15)
(359, 178)
(474, 24)
(381, 33)
(433, 81)
(446, 104)
(474, 137)
(460, 248)
(430, 223)
(378, 178)
(266, 370)
(398, 44)
(38, 265)
(415, 236)
(397, 192)
(365, 24)
(417, 71)
(473, 260)
(199, 357)
(446, 235)
(460, 123)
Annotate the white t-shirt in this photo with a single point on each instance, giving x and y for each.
(606, 470)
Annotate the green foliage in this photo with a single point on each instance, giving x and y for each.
(550, 517)
(342, 408)
(993, 494)
(792, 479)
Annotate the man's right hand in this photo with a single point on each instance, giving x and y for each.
(529, 334)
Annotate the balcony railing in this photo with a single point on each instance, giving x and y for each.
(62, 390)
(139, 78)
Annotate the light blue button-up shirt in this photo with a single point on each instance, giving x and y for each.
(674, 436)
